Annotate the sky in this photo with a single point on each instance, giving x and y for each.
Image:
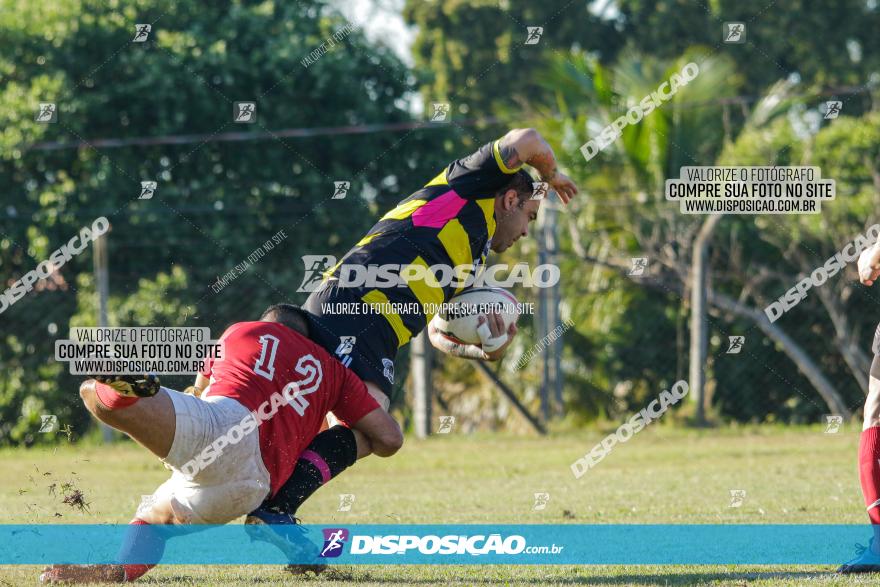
(381, 21)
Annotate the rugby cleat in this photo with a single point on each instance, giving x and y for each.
(865, 562)
(73, 574)
(283, 531)
(132, 385)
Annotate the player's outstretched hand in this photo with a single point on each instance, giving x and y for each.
(869, 265)
(564, 187)
(494, 339)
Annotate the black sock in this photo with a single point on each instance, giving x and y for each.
(329, 454)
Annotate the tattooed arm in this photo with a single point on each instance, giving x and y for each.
(526, 145)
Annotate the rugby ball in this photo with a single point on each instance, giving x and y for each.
(458, 318)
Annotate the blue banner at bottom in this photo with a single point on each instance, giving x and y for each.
(433, 544)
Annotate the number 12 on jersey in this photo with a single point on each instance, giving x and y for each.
(265, 365)
(295, 391)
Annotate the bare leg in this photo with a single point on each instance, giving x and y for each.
(150, 421)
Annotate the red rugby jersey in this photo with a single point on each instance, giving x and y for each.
(266, 365)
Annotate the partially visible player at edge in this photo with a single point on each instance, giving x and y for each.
(479, 203)
(272, 379)
(868, 559)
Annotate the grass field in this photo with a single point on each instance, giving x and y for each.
(791, 475)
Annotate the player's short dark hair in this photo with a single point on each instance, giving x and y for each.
(289, 315)
(521, 181)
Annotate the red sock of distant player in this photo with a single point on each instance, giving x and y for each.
(869, 472)
(111, 399)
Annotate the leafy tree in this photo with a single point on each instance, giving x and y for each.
(753, 259)
(216, 202)
(474, 52)
(826, 44)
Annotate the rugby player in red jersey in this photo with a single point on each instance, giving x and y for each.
(868, 559)
(271, 380)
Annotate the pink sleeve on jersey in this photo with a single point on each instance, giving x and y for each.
(353, 401)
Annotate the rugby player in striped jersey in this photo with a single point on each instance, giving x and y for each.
(484, 201)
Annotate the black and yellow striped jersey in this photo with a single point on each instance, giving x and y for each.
(449, 222)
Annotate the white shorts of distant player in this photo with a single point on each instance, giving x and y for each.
(235, 483)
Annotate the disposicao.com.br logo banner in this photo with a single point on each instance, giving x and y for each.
(569, 544)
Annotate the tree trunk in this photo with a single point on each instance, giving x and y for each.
(858, 362)
(793, 350)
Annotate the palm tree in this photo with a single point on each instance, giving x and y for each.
(624, 208)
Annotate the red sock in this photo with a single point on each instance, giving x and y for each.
(111, 399)
(869, 471)
(140, 543)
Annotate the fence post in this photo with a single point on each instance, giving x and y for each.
(420, 365)
(102, 287)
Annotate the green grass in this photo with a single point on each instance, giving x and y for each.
(791, 475)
